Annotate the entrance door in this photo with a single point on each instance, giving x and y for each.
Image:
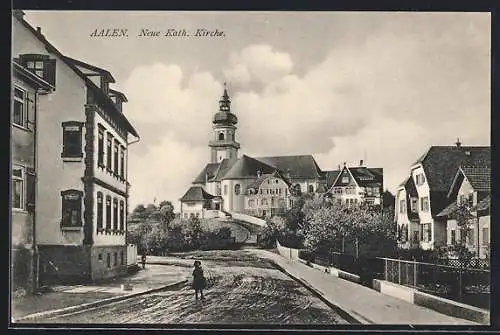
(217, 207)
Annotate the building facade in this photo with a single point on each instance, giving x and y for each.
(471, 189)
(28, 89)
(432, 175)
(82, 187)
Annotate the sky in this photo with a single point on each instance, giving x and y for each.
(342, 86)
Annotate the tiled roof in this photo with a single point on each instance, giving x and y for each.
(483, 204)
(247, 167)
(478, 176)
(441, 163)
(196, 193)
(256, 184)
(298, 166)
(367, 176)
(223, 168)
(208, 171)
(451, 208)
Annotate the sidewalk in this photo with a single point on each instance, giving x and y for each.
(151, 278)
(363, 303)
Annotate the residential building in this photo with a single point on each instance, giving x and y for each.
(82, 186)
(432, 174)
(268, 195)
(470, 188)
(357, 185)
(28, 89)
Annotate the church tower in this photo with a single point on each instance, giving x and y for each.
(223, 145)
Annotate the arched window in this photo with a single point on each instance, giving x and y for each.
(225, 189)
(221, 136)
(311, 189)
(237, 189)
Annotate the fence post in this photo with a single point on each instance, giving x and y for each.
(460, 285)
(385, 269)
(414, 274)
(399, 272)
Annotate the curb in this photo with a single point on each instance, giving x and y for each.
(98, 303)
(348, 316)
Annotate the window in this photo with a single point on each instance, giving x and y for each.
(251, 203)
(72, 139)
(100, 206)
(420, 179)
(311, 189)
(99, 257)
(486, 236)
(225, 189)
(108, 213)
(237, 189)
(116, 154)
(100, 147)
(453, 236)
(221, 136)
(115, 259)
(108, 260)
(414, 205)
(122, 260)
(272, 202)
(40, 65)
(402, 206)
(424, 204)
(416, 236)
(109, 148)
(264, 202)
(122, 162)
(18, 193)
(427, 232)
(115, 214)
(20, 111)
(71, 208)
(122, 216)
(345, 179)
(369, 191)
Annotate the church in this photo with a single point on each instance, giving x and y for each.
(265, 186)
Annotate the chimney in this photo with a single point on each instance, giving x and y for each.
(39, 30)
(259, 174)
(338, 167)
(458, 144)
(360, 162)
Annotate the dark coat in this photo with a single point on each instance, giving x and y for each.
(199, 281)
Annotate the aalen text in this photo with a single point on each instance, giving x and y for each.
(147, 32)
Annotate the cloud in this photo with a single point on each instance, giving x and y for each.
(384, 99)
(258, 63)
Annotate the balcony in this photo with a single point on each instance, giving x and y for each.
(224, 143)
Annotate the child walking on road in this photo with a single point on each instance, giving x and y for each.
(199, 280)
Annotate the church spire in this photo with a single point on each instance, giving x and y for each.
(225, 102)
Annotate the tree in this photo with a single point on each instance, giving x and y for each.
(166, 213)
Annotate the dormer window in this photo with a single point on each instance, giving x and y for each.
(104, 85)
(41, 65)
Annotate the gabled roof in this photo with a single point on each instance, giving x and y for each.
(256, 184)
(483, 204)
(207, 173)
(440, 163)
(223, 168)
(247, 167)
(196, 193)
(478, 176)
(95, 89)
(119, 94)
(450, 209)
(298, 166)
(103, 72)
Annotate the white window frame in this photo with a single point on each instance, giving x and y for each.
(21, 179)
(23, 101)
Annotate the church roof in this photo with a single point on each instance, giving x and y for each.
(208, 172)
(247, 167)
(330, 177)
(298, 166)
(196, 193)
(223, 168)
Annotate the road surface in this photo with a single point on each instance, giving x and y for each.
(242, 289)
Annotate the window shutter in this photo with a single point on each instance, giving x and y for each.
(30, 189)
(49, 71)
(30, 110)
